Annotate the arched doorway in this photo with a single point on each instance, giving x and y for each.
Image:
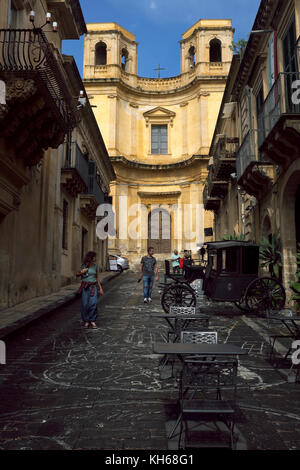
(159, 230)
(124, 59)
(215, 50)
(100, 53)
(192, 56)
(290, 224)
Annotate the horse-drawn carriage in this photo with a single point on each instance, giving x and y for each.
(230, 275)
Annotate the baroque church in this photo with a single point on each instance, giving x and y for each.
(158, 133)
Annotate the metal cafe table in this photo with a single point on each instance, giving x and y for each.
(181, 321)
(203, 349)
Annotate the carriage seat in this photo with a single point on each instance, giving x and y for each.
(169, 275)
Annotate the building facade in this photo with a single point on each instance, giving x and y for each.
(54, 167)
(158, 133)
(254, 172)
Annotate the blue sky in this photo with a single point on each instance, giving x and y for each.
(159, 24)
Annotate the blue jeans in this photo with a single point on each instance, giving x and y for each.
(148, 284)
(89, 310)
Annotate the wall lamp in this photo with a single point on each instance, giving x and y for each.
(47, 18)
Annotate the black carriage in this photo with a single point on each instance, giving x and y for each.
(180, 292)
(231, 275)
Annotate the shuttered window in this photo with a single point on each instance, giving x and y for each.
(159, 139)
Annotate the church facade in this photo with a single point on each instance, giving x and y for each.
(158, 133)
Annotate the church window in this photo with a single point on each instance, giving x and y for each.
(215, 50)
(101, 54)
(159, 139)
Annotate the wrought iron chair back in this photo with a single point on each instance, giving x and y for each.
(208, 337)
(178, 310)
(203, 376)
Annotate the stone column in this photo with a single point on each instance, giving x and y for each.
(133, 130)
(113, 125)
(203, 112)
(184, 121)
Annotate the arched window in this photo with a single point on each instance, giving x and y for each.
(124, 59)
(192, 54)
(100, 54)
(215, 50)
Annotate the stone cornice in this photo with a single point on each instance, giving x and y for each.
(148, 166)
(141, 91)
(207, 28)
(113, 31)
(263, 20)
(145, 194)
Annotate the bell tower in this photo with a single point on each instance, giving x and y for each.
(109, 49)
(207, 47)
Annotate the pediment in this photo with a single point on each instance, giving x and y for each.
(159, 112)
(159, 115)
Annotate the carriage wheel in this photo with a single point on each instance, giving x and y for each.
(264, 294)
(178, 294)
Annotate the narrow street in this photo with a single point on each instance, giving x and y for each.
(68, 388)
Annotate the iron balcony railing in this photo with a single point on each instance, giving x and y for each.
(27, 53)
(248, 153)
(225, 156)
(94, 189)
(226, 147)
(75, 159)
(282, 99)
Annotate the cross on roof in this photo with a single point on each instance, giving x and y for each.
(159, 69)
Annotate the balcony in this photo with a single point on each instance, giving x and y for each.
(210, 203)
(93, 195)
(75, 170)
(225, 157)
(40, 108)
(254, 173)
(279, 123)
(216, 187)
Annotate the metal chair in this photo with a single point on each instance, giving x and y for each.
(177, 310)
(207, 376)
(282, 318)
(208, 337)
(180, 323)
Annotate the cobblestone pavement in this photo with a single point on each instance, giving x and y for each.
(64, 387)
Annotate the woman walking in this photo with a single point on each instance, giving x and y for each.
(90, 288)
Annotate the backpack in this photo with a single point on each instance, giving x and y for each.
(181, 263)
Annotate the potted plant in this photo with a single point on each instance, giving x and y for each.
(270, 255)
